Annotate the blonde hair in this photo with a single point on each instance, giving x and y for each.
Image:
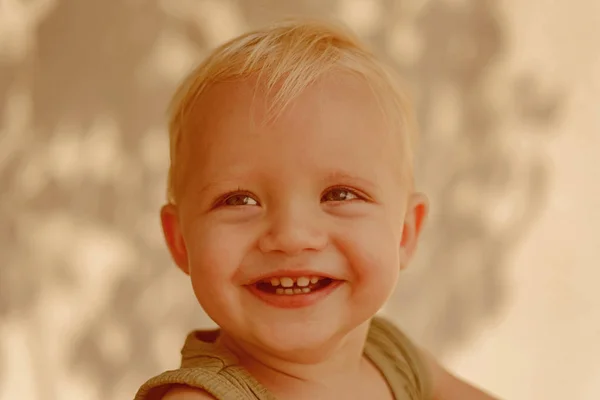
(287, 57)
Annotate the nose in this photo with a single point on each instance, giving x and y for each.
(293, 231)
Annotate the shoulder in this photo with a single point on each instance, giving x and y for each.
(407, 355)
(385, 334)
(447, 386)
(434, 381)
(187, 393)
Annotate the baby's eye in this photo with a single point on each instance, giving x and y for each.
(240, 200)
(339, 194)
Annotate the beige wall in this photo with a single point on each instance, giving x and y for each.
(504, 287)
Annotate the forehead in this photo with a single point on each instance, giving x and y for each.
(336, 119)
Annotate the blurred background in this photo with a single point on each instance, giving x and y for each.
(504, 288)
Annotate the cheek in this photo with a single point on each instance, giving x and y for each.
(216, 251)
(373, 250)
(374, 258)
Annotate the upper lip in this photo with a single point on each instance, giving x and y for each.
(290, 274)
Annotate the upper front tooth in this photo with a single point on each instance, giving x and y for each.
(287, 282)
(314, 279)
(274, 281)
(303, 281)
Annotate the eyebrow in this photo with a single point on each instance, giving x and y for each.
(208, 186)
(339, 175)
(331, 177)
(220, 182)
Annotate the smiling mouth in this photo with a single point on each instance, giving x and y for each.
(293, 286)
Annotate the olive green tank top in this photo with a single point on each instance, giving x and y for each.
(216, 371)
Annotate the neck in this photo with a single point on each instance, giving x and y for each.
(324, 370)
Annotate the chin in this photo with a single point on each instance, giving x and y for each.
(299, 341)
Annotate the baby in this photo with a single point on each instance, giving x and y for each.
(291, 207)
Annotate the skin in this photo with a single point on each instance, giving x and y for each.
(319, 188)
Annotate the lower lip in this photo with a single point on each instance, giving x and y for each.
(294, 300)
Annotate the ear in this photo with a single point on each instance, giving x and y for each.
(416, 212)
(173, 236)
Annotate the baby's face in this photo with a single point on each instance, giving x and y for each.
(292, 229)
